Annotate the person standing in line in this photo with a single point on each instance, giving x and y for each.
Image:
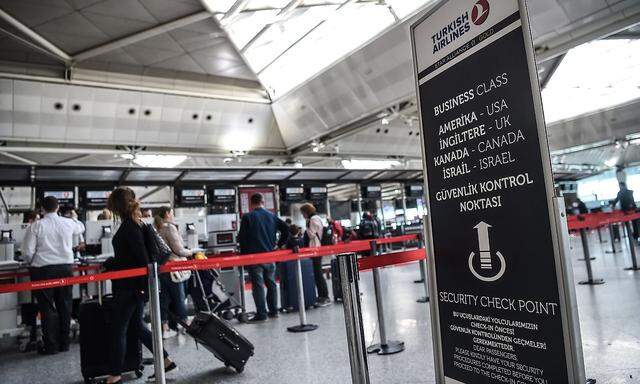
(130, 251)
(48, 250)
(258, 233)
(172, 294)
(315, 227)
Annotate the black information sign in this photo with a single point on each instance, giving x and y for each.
(317, 193)
(500, 313)
(293, 193)
(371, 191)
(414, 190)
(218, 195)
(66, 197)
(95, 199)
(189, 197)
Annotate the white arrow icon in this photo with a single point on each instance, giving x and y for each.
(485, 255)
(483, 245)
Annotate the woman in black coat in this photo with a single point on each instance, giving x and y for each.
(129, 295)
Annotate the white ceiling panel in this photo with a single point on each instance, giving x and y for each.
(6, 107)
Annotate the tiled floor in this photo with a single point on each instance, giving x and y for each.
(609, 315)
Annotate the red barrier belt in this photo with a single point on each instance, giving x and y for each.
(213, 263)
(80, 268)
(394, 258)
(54, 283)
(601, 219)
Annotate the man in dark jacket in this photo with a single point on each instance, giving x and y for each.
(627, 203)
(258, 233)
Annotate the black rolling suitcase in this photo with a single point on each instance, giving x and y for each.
(289, 284)
(221, 339)
(95, 341)
(336, 284)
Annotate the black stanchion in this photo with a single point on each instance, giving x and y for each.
(349, 281)
(600, 236)
(302, 310)
(156, 322)
(423, 272)
(632, 248)
(587, 258)
(243, 316)
(613, 240)
(385, 347)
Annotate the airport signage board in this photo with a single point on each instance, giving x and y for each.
(501, 312)
(190, 197)
(96, 199)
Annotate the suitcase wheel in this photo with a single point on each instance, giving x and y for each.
(138, 373)
(227, 315)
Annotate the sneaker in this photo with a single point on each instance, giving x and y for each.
(323, 302)
(169, 334)
(257, 319)
(167, 369)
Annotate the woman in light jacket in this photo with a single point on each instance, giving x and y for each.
(314, 234)
(172, 294)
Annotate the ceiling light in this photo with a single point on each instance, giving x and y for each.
(370, 164)
(298, 164)
(159, 161)
(384, 121)
(128, 156)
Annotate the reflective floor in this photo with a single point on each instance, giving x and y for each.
(609, 315)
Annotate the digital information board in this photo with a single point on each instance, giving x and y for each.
(504, 312)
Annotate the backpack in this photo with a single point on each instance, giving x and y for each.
(368, 229)
(327, 236)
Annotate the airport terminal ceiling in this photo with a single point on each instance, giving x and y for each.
(266, 83)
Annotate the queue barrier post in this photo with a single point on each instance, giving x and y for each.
(385, 347)
(632, 248)
(587, 259)
(243, 316)
(423, 272)
(302, 310)
(613, 240)
(156, 322)
(600, 236)
(349, 280)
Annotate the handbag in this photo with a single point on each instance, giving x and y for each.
(180, 276)
(157, 248)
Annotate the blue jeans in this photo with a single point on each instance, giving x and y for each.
(171, 298)
(261, 275)
(128, 311)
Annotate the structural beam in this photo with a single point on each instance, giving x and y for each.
(19, 158)
(72, 159)
(554, 67)
(614, 23)
(234, 11)
(33, 35)
(143, 35)
(283, 15)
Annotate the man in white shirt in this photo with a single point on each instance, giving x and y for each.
(48, 249)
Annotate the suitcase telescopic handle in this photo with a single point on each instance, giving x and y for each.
(225, 339)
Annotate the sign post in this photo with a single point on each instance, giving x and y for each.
(504, 310)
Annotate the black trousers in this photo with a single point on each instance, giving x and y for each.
(54, 305)
(321, 283)
(128, 312)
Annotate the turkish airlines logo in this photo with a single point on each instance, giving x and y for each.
(480, 12)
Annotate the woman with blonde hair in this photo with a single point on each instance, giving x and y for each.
(130, 251)
(171, 292)
(315, 227)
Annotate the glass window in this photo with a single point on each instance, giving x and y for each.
(593, 76)
(295, 47)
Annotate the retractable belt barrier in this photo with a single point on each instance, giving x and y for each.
(597, 220)
(401, 257)
(582, 223)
